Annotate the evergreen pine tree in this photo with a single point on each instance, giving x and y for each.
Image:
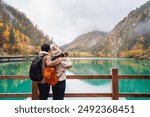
(1, 36)
(12, 39)
(1, 31)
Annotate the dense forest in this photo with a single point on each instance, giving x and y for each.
(18, 35)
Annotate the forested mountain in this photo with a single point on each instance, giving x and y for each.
(18, 35)
(129, 38)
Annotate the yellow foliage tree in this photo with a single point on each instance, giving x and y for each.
(5, 46)
(26, 50)
(1, 24)
(6, 34)
(140, 43)
(17, 35)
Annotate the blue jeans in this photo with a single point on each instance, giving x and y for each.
(59, 90)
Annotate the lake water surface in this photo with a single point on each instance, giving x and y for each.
(84, 67)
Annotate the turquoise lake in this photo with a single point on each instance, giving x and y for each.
(82, 67)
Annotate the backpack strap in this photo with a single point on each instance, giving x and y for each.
(43, 63)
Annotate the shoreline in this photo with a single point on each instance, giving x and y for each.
(13, 58)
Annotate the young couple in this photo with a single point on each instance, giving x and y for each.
(61, 62)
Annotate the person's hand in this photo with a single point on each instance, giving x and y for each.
(59, 59)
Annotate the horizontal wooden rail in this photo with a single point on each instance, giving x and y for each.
(26, 95)
(68, 77)
(134, 76)
(14, 77)
(83, 77)
(134, 95)
(12, 95)
(15, 95)
(89, 77)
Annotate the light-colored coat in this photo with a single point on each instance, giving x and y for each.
(61, 68)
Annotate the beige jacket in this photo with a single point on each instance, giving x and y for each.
(61, 68)
(47, 61)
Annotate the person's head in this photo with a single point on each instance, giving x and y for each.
(55, 50)
(54, 47)
(45, 47)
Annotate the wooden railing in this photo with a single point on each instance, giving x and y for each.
(114, 94)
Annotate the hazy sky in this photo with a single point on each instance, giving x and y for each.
(67, 19)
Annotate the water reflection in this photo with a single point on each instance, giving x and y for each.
(14, 68)
(17, 86)
(103, 66)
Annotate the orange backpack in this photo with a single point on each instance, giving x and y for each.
(50, 76)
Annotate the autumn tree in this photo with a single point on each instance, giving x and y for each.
(6, 34)
(139, 44)
(5, 47)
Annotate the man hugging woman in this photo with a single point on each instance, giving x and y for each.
(61, 62)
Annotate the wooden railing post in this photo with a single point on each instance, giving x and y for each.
(34, 91)
(115, 95)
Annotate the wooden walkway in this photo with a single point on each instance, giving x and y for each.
(115, 77)
(15, 58)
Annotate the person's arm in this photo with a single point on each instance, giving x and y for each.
(50, 63)
(67, 64)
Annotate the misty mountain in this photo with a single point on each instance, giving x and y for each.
(127, 32)
(129, 38)
(86, 41)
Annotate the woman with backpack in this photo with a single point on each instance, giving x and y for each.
(43, 86)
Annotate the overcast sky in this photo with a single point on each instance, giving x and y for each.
(67, 19)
